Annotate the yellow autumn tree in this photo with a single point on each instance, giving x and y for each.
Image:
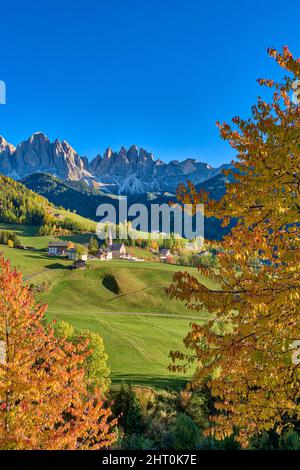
(45, 401)
(244, 350)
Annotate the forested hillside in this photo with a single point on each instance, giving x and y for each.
(20, 205)
(71, 195)
(77, 196)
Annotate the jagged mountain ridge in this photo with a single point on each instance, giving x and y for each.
(132, 171)
(39, 154)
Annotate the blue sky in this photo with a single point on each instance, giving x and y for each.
(154, 73)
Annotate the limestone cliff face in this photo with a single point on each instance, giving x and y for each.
(129, 171)
(6, 152)
(38, 154)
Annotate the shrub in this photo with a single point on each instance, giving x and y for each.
(290, 440)
(195, 405)
(6, 236)
(185, 433)
(136, 442)
(128, 409)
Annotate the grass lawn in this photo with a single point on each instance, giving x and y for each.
(141, 253)
(138, 345)
(125, 302)
(90, 224)
(117, 286)
(29, 236)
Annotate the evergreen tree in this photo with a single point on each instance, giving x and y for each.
(185, 433)
(128, 409)
(93, 245)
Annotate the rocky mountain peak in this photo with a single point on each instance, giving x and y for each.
(133, 154)
(108, 153)
(133, 148)
(6, 152)
(39, 135)
(96, 162)
(38, 154)
(5, 146)
(146, 156)
(126, 171)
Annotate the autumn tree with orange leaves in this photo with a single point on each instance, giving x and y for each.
(44, 400)
(244, 350)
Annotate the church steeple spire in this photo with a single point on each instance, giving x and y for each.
(110, 240)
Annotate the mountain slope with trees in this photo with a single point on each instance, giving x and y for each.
(77, 196)
(20, 205)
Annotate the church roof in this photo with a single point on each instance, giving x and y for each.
(115, 246)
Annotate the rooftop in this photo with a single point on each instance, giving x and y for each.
(164, 251)
(58, 244)
(115, 246)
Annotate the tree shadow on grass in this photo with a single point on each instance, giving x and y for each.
(27, 231)
(110, 283)
(38, 255)
(56, 266)
(81, 238)
(154, 381)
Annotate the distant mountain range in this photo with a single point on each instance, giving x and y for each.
(128, 171)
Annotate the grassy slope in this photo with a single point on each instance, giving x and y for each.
(29, 235)
(90, 224)
(138, 345)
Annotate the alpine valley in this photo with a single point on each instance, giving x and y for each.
(55, 171)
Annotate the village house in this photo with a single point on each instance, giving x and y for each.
(104, 254)
(79, 264)
(72, 254)
(165, 255)
(118, 250)
(58, 248)
(164, 252)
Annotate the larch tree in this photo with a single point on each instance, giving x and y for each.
(245, 350)
(44, 399)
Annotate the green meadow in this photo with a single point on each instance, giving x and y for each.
(125, 302)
